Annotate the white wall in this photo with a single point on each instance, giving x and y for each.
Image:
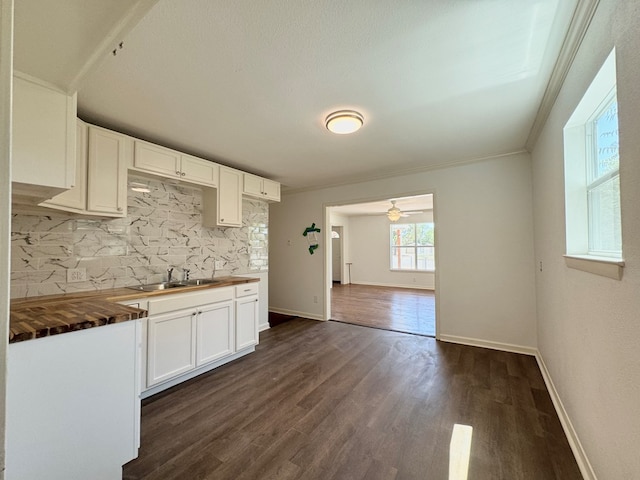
(485, 247)
(589, 326)
(6, 75)
(369, 245)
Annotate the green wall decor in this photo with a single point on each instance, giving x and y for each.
(312, 237)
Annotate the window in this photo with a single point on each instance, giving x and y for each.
(412, 246)
(592, 175)
(603, 182)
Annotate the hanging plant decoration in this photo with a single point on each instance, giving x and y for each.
(312, 237)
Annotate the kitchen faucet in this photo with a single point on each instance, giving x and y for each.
(169, 273)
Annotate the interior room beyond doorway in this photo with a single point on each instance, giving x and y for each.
(381, 269)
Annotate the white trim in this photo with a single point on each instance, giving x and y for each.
(476, 342)
(567, 426)
(295, 313)
(263, 327)
(396, 285)
(606, 267)
(582, 16)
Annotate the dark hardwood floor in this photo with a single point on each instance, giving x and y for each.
(327, 400)
(408, 310)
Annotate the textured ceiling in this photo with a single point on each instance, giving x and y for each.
(248, 83)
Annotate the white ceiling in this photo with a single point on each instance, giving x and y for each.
(418, 203)
(248, 84)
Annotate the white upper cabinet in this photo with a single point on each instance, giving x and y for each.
(222, 207)
(200, 171)
(107, 172)
(101, 174)
(259, 187)
(165, 162)
(44, 139)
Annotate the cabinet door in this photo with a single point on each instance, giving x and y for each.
(271, 190)
(214, 332)
(75, 199)
(44, 130)
(230, 198)
(171, 345)
(155, 159)
(107, 172)
(200, 171)
(246, 322)
(252, 185)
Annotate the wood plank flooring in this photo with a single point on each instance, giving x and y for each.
(327, 400)
(409, 310)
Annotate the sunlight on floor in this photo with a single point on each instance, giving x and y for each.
(459, 451)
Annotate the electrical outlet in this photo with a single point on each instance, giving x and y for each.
(76, 275)
(219, 264)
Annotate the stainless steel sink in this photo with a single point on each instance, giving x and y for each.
(152, 287)
(199, 281)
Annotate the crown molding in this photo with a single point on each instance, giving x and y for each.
(582, 16)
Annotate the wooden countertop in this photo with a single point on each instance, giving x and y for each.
(37, 317)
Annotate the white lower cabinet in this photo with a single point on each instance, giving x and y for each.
(246, 322)
(190, 333)
(214, 332)
(171, 347)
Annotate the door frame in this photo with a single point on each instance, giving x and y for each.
(328, 257)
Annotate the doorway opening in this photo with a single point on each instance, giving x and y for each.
(380, 264)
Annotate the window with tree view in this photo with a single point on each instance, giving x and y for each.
(412, 246)
(603, 182)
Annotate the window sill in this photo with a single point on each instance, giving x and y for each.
(410, 270)
(604, 266)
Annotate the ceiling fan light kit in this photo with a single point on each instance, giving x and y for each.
(394, 212)
(344, 122)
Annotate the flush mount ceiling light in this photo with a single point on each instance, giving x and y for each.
(343, 122)
(394, 213)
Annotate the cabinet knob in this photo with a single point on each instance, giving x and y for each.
(119, 209)
(177, 172)
(182, 174)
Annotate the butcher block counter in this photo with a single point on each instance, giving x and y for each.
(37, 317)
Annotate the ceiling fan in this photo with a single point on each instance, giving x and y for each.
(394, 213)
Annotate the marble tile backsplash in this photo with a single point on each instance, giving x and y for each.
(163, 229)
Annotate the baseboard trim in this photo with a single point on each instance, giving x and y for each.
(377, 284)
(295, 313)
(574, 442)
(263, 327)
(476, 342)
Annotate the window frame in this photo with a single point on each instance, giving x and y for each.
(415, 248)
(580, 162)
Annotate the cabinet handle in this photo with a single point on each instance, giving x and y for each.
(247, 289)
(256, 300)
(182, 174)
(119, 209)
(222, 219)
(194, 314)
(177, 172)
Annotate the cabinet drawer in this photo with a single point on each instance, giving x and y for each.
(247, 289)
(178, 301)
